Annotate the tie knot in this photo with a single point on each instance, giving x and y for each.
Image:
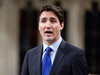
(48, 49)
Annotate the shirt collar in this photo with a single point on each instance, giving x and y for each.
(54, 46)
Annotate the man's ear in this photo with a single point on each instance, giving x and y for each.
(62, 25)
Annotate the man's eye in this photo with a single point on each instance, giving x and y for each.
(43, 21)
(52, 21)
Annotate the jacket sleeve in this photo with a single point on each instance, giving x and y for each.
(79, 64)
(25, 66)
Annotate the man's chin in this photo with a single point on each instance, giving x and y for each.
(49, 39)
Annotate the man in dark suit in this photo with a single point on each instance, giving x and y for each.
(64, 58)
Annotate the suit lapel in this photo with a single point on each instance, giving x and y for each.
(59, 56)
(38, 63)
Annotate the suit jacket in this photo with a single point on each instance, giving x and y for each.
(69, 60)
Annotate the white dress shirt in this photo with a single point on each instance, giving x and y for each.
(54, 48)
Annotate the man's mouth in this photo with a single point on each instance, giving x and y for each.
(48, 33)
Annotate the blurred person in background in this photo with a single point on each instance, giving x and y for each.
(54, 56)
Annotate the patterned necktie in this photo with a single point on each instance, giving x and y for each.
(46, 65)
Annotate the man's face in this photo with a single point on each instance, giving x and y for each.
(49, 27)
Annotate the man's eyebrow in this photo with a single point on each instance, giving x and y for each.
(52, 18)
(44, 18)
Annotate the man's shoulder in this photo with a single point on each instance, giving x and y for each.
(73, 51)
(71, 47)
(35, 49)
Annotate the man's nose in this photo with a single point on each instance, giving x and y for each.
(48, 25)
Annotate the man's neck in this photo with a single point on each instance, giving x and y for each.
(51, 42)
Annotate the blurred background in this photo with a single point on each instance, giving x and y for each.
(19, 30)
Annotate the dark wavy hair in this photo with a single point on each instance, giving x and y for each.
(57, 10)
